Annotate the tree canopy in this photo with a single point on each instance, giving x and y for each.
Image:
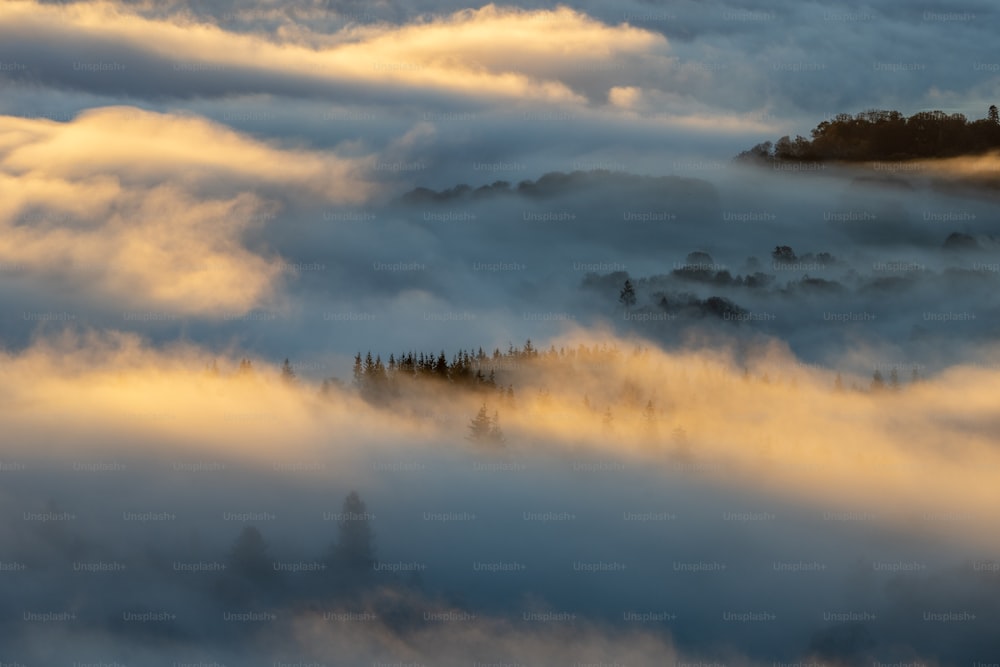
(880, 134)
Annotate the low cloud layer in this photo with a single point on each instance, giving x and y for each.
(148, 209)
(773, 445)
(482, 550)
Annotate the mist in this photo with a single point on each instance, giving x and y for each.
(437, 334)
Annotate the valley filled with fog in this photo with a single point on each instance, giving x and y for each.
(336, 334)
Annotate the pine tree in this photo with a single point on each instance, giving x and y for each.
(894, 380)
(838, 383)
(441, 366)
(357, 370)
(355, 547)
(249, 557)
(480, 426)
(993, 115)
(495, 436)
(627, 295)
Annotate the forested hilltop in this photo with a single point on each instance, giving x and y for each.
(885, 135)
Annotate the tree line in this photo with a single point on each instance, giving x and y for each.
(880, 134)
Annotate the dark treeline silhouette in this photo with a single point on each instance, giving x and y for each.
(378, 380)
(493, 375)
(558, 183)
(885, 135)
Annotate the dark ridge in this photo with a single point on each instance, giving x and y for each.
(558, 183)
(884, 135)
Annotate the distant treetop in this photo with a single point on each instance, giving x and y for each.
(885, 135)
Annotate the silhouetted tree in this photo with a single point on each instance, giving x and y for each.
(484, 429)
(479, 427)
(358, 372)
(783, 254)
(878, 382)
(355, 547)
(699, 258)
(248, 557)
(496, 436)
(881, 134)
(627, 295)
(441, 366)
(762, 152)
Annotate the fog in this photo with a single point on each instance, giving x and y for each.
(646, 404)
(836, 522)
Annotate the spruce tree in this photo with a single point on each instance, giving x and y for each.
(480, 426)
(496, 436)
(355, 548)
(357, 370)
(627, 295)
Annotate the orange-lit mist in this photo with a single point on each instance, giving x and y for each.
(922, 458)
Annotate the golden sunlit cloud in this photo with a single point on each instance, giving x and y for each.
(783, 429)
(911, 457)
(149, 209)
(149, 148)
(625, 97)
(491, 52)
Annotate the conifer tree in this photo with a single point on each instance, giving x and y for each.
(495, 436)
(480, 426)
(627, 295)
